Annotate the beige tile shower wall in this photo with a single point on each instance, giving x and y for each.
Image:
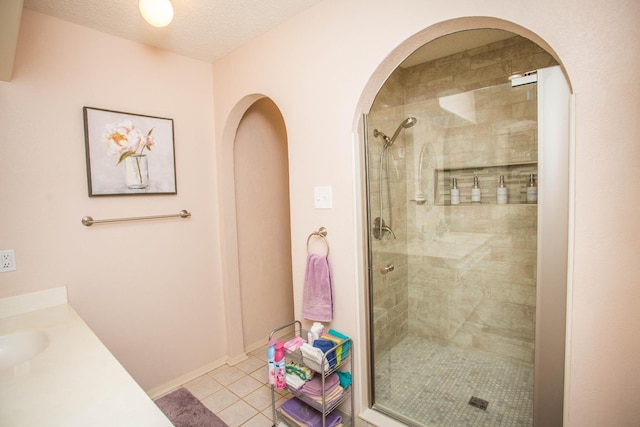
(471, 272)
(484, 66)
(481, 292)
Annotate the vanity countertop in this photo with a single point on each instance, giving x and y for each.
(74, 381)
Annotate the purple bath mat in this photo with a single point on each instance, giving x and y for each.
(184, 410)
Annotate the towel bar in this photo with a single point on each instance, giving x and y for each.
(88, 221)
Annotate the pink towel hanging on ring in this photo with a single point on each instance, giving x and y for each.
(317, 296)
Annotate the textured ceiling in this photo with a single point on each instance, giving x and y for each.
(201, 29)
(209, 29)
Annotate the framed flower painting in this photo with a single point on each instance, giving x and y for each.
(128, 154)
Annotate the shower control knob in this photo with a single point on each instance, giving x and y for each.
(387, 268)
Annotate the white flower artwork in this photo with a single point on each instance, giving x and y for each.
(128, 154)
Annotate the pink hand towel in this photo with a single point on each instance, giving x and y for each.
(317, 296)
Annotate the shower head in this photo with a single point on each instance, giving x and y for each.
(407, 123)
(388, 142)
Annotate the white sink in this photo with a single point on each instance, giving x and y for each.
(21, 347)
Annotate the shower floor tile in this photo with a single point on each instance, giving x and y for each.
(432, 383)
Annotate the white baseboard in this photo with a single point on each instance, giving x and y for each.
(236, 359)
(255, 346)
(162, 389)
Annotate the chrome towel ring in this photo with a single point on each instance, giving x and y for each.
(322, 233)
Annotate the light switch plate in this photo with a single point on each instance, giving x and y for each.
(322, 197)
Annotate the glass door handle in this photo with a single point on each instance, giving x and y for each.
(387, 268)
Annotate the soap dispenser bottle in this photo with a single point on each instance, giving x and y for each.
(503, 198)
(475, 191)
(455, 192)
(532, 190)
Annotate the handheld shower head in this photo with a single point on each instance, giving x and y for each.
(388, 142)
(407, 123)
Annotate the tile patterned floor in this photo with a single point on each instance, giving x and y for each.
(239, 394)
(432, 383)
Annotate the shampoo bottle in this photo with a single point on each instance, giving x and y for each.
(280, 366)
(503, 198)
(532, 190)
(475, 191)
(317, 329)
(455, 192)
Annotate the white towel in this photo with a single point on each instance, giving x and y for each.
(313, 356)
(294, 381)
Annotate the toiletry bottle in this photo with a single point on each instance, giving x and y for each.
(455, 192)
(271, 362)
(475, 191)
(280, 366)
(502, 192)
(532, 190)
(317, 329)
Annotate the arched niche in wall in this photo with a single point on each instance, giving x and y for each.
(255, 223)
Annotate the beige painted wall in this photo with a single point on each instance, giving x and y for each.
(262, 207)
(149, 290)
(324, 67)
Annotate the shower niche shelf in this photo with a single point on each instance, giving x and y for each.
(318, 406)
(516, 178)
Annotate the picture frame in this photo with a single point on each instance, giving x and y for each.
(128, 154)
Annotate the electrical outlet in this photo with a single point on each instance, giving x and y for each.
(7, 260)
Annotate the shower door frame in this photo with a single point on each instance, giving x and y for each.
(555, 154)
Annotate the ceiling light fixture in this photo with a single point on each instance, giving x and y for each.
(158, 13)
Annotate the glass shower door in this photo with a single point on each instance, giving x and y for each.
(453, 285)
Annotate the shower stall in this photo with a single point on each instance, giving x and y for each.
(454, 297)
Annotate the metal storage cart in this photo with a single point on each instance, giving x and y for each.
(292, 330)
